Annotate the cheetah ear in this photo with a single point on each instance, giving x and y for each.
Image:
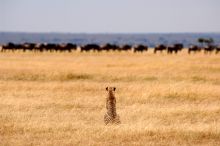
(106, 88)
(114, 88)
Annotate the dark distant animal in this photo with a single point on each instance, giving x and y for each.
(71, 47)
(171, 49)
(49, 47)
(217, 49)
(111, 116)
(179, 46)
(39, 47)
(66, 47)
(174, 48)
(160, 48)
(28, 47)
(140, 48)
(11, 47)
(90, 47)
(194, 48)
(108, 47)
(209, 49)
(125, 48)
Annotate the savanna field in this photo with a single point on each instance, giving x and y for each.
(59, 99)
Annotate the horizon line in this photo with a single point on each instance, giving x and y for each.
(53, 32)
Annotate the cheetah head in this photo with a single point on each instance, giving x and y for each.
(110, 88)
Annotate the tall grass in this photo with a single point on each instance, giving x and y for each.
(59, 98)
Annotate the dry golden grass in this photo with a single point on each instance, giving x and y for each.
(59, 99)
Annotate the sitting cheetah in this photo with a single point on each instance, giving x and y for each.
(111, 116)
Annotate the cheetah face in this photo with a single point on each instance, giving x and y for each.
(110, 88)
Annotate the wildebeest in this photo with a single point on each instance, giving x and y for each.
(69, 47)
(209, 49)
(55, 47)
(174, 48)
(28, 47)
(50, 47)
(125, 48)
(140, 48)
(39, 47)
(11, 47)
(108, 47)
(66, 47)
(160, 48)
(89, 47)
(217, 49)
(194, 48)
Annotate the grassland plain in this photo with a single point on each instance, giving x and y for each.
(59, 98)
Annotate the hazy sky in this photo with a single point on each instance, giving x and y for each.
(110, 16)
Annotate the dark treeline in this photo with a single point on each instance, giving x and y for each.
(69, 47)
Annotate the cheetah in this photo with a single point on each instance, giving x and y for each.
(111, 116)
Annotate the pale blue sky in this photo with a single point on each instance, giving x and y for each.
(110, 16)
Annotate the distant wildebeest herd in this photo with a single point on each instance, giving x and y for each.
(69, 47)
